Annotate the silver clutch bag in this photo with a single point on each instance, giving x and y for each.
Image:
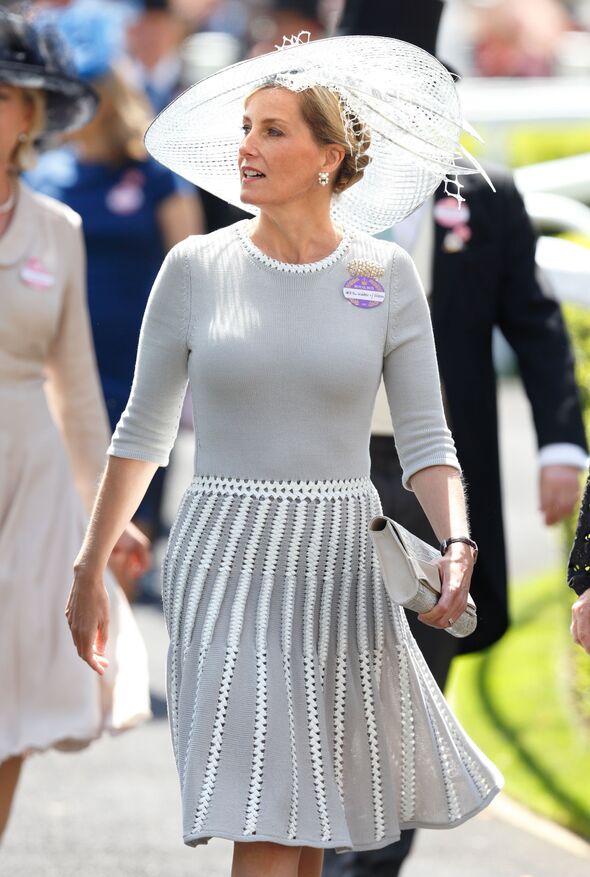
(409, 574)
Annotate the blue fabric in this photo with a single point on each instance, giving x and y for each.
(94, 31)
(124, 251)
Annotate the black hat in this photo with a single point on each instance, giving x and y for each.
(154, 5)
(38, 58)
(413, 21)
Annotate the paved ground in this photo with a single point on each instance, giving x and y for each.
(114, 809)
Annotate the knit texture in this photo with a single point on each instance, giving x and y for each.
(300, 709)
(283, 368)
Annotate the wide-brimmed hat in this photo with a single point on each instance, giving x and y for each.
(404, 97)
(37, 57)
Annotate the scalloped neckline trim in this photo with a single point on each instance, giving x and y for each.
(290, 267)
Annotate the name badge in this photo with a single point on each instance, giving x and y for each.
(363, 289)
(36, 275)
(363, 292)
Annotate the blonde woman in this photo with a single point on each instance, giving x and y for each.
(53, 437)
(133, 211)
(303, 715)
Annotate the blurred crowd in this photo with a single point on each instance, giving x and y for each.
(169, 44)
(518, 37)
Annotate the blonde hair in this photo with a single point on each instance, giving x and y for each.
(124, 116)
(25, 156)
(330, 122)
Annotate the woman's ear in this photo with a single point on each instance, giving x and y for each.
(334, 155)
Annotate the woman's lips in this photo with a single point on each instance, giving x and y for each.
(249, 174)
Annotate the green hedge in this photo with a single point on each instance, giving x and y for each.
(515, 700)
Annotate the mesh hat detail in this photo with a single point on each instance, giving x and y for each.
(403, 95)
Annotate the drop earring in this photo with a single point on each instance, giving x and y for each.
(324, 178)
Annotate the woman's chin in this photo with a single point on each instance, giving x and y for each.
(247, 197)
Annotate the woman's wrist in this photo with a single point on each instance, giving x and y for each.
(461, 551)
(90, 566)
(452, 544)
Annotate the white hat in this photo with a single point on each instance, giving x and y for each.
(405, 97)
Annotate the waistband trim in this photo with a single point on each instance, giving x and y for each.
(221, 485)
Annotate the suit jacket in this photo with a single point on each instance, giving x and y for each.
(491, 282)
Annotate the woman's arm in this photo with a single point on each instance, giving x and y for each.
(142, 441)
(578, 574)
(439, 490)
(580, 626)
(424, 443)
(122, 488)
(73, 388)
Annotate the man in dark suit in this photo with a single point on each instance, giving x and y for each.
(478, 268)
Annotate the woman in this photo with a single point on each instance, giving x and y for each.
(53, 436)
(302, 713)
(133, 210)
(578, 575)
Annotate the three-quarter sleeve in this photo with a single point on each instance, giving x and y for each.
(148, 426)
(73, 387)
(411, 377)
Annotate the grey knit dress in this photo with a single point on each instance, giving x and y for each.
(301, 709)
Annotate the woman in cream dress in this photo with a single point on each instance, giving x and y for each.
(53, 437)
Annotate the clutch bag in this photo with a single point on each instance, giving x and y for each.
(411, 578)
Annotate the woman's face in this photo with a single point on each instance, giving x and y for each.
(15, 118)
(279, 160)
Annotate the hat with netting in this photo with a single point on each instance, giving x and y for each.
(402, 96)
(37, 58)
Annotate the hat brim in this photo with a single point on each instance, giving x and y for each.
(405, 96)
(70, 102)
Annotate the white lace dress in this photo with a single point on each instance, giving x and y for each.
(301, 710)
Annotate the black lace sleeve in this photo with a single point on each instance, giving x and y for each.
(578, 570)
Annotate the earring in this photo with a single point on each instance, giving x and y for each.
(323, 178)
(23, 137)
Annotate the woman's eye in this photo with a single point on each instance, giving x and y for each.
(274, 132)
(245, 128)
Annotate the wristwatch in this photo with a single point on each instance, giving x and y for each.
(446, 542)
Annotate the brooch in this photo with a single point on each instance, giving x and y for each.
(363, 289)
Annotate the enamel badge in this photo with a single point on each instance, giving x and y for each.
(363, 289)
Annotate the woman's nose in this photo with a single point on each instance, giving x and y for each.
(248, 144)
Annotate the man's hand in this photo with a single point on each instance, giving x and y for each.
(580, 627)
(559, 492)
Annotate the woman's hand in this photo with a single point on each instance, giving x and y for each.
(580, 626)
(456, 568)
(132, 556)
(87, 611)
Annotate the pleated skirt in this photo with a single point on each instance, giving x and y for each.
(301, 709)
